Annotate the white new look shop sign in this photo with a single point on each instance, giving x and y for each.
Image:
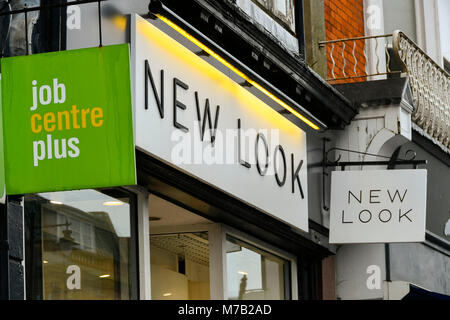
(378, 206)
(257, 155)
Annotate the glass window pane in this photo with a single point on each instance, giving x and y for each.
(180, 266)
(78, 246)
(254, 274)
(179, 261)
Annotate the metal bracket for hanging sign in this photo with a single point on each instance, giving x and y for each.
(390, 164)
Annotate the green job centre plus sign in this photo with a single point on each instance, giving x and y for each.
(68, 120)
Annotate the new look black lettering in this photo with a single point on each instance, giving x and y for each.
(159, 101)
(378, 205)
(241, 161)
(295, 177)
(177, 104)
(206, 115)
(279, 149)
(192, 106)
(397, 193)
(356, 198)
(261, 171)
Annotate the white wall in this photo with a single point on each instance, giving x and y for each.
(354, 263)
(428, 29)
(444, 26)
(400, 15)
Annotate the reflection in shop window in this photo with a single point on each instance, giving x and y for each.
(254, 274)
(82, 232)
(79, 246)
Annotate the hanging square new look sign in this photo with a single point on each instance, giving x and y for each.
(68, 120)
(378, 206)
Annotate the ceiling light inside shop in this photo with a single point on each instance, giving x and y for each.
(45, 261)
(104, 276)
(168, 294)
(112, 203)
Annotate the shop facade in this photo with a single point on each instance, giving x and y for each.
(239, 119)
(195, 226)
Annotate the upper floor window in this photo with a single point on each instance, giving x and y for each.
(282, 10)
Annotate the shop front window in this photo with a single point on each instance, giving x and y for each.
(254, 274)
(179, 259)
(80, 245)
(180, 266)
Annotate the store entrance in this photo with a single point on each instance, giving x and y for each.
(179, 252)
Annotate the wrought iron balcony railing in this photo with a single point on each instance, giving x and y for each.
(369, 58)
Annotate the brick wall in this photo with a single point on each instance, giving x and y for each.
(345, 19)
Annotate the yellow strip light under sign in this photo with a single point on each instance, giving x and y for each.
(237, 71)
